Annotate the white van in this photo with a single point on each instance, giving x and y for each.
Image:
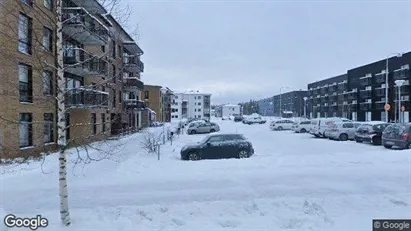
(319, 125)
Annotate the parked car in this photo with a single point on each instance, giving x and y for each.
(225, 118)
(219, 146)
(238, 118)
(195, 123)
(254, 120)
(370, 132)
(301, 126)
(203, 128)
(342, 131)
(398, 135)
(281, 125)
(318, 126)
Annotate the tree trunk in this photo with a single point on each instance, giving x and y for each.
(61, 120)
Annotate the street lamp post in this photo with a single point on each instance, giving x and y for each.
(281, 88)
(305, 106)
(386, 81)
(163, 91)
(399, 83)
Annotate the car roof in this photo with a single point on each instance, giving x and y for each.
(373, 123)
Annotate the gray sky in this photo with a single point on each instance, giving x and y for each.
(241, 50)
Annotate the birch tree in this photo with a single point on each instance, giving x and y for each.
(9, 31)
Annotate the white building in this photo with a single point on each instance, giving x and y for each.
(230, 110)
(191, 105)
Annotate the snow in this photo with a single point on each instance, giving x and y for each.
(293, 182)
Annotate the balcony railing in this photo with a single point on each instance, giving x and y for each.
(81, 26)
(134, 104)
(380, 92)
(403, 73)
(86, 98)
(365, 81)
(380, 78)
(79, 62)
(365, 94)
(133, 64)
(132, 83)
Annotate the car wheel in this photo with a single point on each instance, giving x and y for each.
(194, 156)
(212, 130)
(388, 146)
(193, 132)
(303, 130)
(243, 154)
(343, 137)
(280, 128)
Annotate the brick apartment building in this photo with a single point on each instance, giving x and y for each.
(158, 100)
(102, 69)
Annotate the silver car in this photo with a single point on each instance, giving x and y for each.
(203, 128)
(342, 131)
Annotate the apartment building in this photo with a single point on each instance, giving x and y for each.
(159, 100)
(92, 57)
(266, 106)
(292, 103)
(330, 97)
(230, 110)
(192, 104)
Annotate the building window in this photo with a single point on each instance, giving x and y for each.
(48, 4)
(199, 104)
(103, 122)
(47, 82)
(119, 96)
(114, 98)
(103, 48)
(146, 96)
(94, 123)
(25, 33)
(67, 126)
(114, 72)
(25, 83)
(199, 110)
(113, 54)
(26, 130)
(195, 109)
(27, 2)
(48, 128)
(47, 39)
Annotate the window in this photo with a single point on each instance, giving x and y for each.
(94, 123)
(27, 2)
(119, 96)
(48, 4)
(103, 48)
(114, 98)
(215, 139)
(103, 122)
(199, 104)
(25, 83)
(47, 39)
(113, 54)
(26, 130)
(67, 126)
(195, 110)
(199, 110)
(47, 82)
(114, 72)
(146, 95)
(199, 97)
(48, 128)
(25, 33)
(103, 88)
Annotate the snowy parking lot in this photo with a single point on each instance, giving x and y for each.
(293, 181)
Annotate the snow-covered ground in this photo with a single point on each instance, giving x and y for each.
(293, 181)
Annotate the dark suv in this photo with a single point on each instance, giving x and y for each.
(397, 135)
(218, 146)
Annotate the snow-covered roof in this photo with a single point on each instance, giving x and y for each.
(231, 105)
(287, 112)
(374, 122)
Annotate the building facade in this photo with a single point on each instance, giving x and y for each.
(230, 110)
(292, 104)
(93, 64)
(191, 105)
(329, 98)
(266, 106)
(158, 101)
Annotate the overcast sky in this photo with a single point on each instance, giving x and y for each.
(241, 50)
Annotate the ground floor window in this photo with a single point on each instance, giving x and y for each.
(48, 128)
(368, 116)
(26, 130)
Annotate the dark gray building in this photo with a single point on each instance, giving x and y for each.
(292, 104)
(326, 98)
(266, 106)
(366, 85)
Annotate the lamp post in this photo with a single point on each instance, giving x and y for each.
(281, 88)
(163, 91)
(305, 106)
(398, 55)
(271, 105)
(399, 83)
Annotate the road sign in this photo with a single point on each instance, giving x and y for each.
(402, 108)
(387, 107)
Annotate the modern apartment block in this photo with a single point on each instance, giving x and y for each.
(266, 106)
(101, 68)
(191, 105)
(329, 98)
(292, 104)
(360, 93)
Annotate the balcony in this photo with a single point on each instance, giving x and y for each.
(81, 26)
(132, 48)
(351, 95)
(133, 64)
(379, 105)
(365, 81)
(403, 73)
(380, 78)
(131, 104)
(85, 98)
(365, 106)
(132, 83)
(79, 62)
(380, 92)
(364, 94)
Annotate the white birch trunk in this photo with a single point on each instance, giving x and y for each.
(61, 120)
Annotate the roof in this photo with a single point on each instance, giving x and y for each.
(374, 122)
(231, 105)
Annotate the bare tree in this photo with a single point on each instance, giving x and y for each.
(50, 58)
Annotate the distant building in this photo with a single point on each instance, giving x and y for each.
(192, 104)
(230, 110)
(292, 104)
